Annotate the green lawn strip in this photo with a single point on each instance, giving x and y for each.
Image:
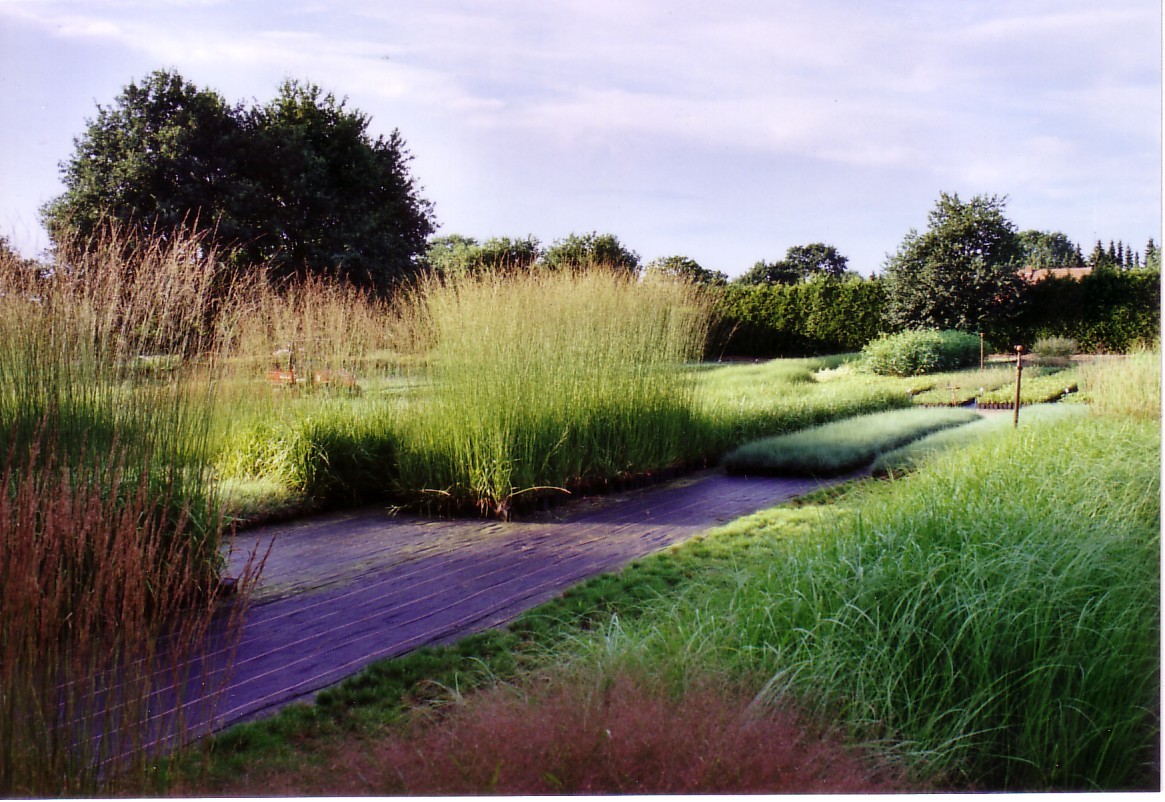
(912, 454)
(1036, 387)
(841, 446)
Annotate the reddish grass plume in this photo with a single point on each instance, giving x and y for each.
(617, 736)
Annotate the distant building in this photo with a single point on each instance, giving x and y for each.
(1034, 274)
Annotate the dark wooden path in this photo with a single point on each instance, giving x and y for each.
(343, 590)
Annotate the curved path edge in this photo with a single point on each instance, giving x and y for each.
(343, 590)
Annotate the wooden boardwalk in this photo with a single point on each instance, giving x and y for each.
(343, 590)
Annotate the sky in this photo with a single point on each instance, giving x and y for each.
(726, 132)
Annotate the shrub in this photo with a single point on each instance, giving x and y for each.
(912, 353)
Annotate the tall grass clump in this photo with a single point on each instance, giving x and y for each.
(304, 404)
(102, 668)
(110, 551)
(993, 616)
(1129, 385)
(112, 348)
(547, 380)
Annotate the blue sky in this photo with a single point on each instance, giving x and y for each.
(726, 131)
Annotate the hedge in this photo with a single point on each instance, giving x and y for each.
(816, 317)
(1107, 311)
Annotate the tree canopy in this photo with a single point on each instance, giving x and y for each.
(1049, 249)
(298, 184)
(801, 263)
(454, 254)
(578, 250)
(961, 272)
(682, 267)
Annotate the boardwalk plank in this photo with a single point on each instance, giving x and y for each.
(341, 591)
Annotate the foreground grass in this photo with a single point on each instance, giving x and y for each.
(109, 537)
(841, 446)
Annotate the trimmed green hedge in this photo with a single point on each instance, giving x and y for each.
(1109, 311)
(1106, 311)
(809, 319)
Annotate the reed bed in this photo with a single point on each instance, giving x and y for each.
(1125, 385)
(110, 554)
(548, 381)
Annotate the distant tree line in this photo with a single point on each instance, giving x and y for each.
(300, 186)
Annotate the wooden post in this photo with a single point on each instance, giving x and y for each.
(1018, 378)
(982, 353)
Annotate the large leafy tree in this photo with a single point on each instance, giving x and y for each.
(801, 263)
(687, 269)
(164, 156)
(1045, 249)
(581, 250)
(298, 184)
(332, 197)
(763, 272)
(961, 272)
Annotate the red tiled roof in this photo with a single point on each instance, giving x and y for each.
(1034, 274)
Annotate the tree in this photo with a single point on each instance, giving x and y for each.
(509, 255)
(454, 254)
(816, 260)
(590, 249)
(1152, 255)
(298, 184)
(763, 272)
(164, 156)
(961, 272)
(451, 254)
(682, 267)
(334, 199)
(801, 263)
(1048, 249)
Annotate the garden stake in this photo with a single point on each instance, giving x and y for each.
(1018, 376)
